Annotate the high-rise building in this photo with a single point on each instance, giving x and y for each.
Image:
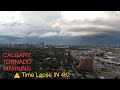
(40, 45)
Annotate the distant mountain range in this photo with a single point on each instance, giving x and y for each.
(109, 38)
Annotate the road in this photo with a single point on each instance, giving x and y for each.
(108, 61)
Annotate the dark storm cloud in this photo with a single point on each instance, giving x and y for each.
(42, 25)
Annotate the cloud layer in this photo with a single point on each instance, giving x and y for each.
(19, 25)
(89, 23)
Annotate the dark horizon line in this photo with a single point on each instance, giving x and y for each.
(59, 44)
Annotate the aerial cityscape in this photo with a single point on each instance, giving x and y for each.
(76, 44)
(82, 62)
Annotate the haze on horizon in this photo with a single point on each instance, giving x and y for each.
(60, 27)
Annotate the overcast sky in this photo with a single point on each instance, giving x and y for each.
(40, 24)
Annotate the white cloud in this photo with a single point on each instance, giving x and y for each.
(26, 23)
(8, 17)
(88, 22)
(48, 34)
(56, 23)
